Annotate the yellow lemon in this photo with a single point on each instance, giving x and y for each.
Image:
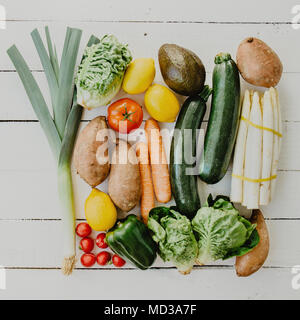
(161, 103)
(139, 75)
(100, 212)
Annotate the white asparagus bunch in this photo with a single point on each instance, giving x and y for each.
(239, 152)
(257, 150)
(267, 151)
(253, 156)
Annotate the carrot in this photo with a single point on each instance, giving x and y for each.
(159, 166)
(147, 200)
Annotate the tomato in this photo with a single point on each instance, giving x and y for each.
(88, 259)
(118, 261)
(103, 258)
(100, 241)
(87, 244)
(124, 115)
(83, 230)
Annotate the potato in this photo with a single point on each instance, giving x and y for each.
(124, 184)
(253, 260)
(91, 152)
(258, 63)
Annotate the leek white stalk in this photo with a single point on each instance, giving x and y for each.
(65, 188)
(267, 150)
(239, 152)
(276, 143)
(253, 156)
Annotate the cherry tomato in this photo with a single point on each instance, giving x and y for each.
(88, 259)
(100, 241)
(83, 230)
(103, 258)
(86, 244)
(118, 261)
(124, 115)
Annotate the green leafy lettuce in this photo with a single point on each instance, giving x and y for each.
(101, 72)
(221, 232)
(173, 232)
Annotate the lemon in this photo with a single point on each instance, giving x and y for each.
(100, 212)
(139, 76)
(161, 103)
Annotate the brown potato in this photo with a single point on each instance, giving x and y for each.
(253, 260)
(258, 63)
(124, 184)
(91, 152)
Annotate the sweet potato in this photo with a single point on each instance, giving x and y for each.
(91, 152)
(258, 63)
(253, 260)
(124, 184)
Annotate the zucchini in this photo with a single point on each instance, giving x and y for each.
(184, 185)
(223, 120)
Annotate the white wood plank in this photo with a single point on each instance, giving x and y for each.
(18, 107)
(144, 39)
(38, 244)
(152, 284)
(167, 10)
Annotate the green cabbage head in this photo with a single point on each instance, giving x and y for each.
(101, 72)
(174, 235)
(221, 232)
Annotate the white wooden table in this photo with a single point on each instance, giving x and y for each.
(30, 225)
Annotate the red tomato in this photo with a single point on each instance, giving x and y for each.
(88, 259)
(103, 258)
(83, 230)
(124, 115)
(118, 261)
(86, 244)
(100, 241)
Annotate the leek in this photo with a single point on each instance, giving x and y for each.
(62, 130)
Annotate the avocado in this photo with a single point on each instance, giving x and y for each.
(181, 69)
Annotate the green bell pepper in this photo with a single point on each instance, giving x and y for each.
(130, 239)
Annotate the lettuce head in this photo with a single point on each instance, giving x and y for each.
(101, 72)
(174, 235)
(221, 232)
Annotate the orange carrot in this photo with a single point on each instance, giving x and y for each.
(147, 200)
(159, 166)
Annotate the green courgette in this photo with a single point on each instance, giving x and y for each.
(223, 120)
(183, 153)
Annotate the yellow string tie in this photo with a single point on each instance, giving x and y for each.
(254, 180)
(261, 127)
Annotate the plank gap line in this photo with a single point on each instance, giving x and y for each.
(154, 21)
